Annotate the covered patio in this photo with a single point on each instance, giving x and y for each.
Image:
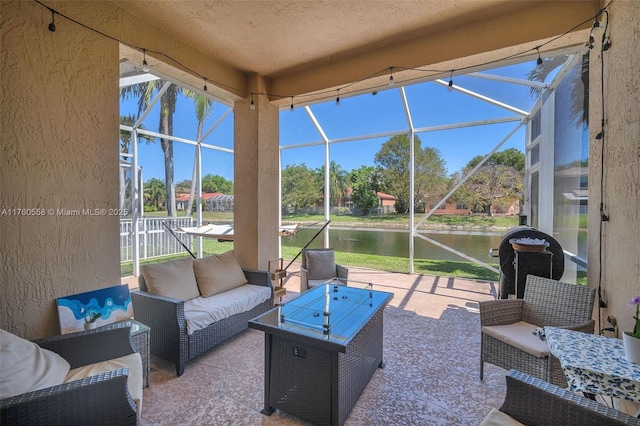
(59, 115)
(431, 352)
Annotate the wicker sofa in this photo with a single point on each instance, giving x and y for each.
(179, 331)
(534, 402)
(100, 397)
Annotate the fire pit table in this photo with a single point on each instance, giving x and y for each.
(321, 350)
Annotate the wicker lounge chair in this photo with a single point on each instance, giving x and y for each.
(534, 402)
(318, 265)
(97, 400)
(507, 326)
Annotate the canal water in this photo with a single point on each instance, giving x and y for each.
(395, 242)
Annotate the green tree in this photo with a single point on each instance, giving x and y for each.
(338, 183)
(154, 193)
(430, 177)
(144, 93)
(125, 136)
(579, 92)
(216, 183)
(497, 182)
(301, 186)
(509, 157)
(364, 183)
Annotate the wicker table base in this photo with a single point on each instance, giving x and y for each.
(320, 385)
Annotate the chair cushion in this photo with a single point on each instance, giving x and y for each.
(134, 381)
(174, 278)
(26, 367)
(203, 311)
(321, 264)
(498, 418)
(519, 335)
(218, 273)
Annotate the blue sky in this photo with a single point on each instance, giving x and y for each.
(430, 104)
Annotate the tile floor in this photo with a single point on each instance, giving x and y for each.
(431, 352)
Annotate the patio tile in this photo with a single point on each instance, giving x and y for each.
(431, 352)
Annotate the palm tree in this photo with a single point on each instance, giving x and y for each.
(580, 109)
(144, 92)
(338, 183)
(204, 107)
(125, 137)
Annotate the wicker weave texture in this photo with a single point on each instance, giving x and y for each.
(546, 302)
(320, 385)
(169, 337)
(534, 402)
(97, 400)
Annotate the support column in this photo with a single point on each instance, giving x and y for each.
(256, 174)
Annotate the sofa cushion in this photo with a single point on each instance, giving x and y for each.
(203, 311)
(498, 418)
(218, 273)
(321, 264)
(134, 381)
(26, 367)
(519, 335)
(174, 278)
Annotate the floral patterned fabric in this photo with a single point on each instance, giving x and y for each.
(594, 364)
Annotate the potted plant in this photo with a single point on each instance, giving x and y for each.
(90, 319)
(632, 340)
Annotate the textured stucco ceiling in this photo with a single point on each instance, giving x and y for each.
(272, 37)
(303, 46)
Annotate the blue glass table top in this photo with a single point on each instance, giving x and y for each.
(330, 313)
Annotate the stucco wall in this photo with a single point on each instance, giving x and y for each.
(620, 240)
(256, 169)
(59, 115)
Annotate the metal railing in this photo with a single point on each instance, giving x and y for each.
(155, 239)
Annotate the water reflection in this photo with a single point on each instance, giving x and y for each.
(395, 242)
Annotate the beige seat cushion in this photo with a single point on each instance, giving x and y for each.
(321, 264)
(498, 418)
(172, 279)
(134, 381)
(204, 311)
(26, 367)
(519, 335)
(218, 273)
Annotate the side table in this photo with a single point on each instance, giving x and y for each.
(140, 334)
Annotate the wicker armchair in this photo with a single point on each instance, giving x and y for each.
(97, 400)
(507, 325)
(310, 277)
(534, 402)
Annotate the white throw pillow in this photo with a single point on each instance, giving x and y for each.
(172, 279)
(218, 273)
(26, 367)
(321, 264)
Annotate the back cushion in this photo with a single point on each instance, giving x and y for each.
(321, 264)
(218, 273)
(173, 279)
(26, 367)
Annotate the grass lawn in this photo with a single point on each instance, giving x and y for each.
(384, 263)
(380, 263)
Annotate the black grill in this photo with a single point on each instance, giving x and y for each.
(534, 264)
